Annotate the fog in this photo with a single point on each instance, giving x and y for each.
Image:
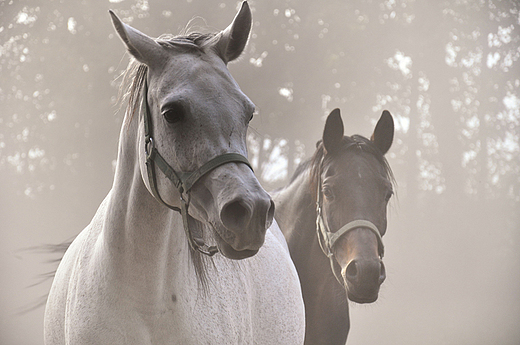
(447, 71)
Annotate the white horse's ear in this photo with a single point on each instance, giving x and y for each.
(333, 132)
(233, 39)
(383, 135)
(144, 48)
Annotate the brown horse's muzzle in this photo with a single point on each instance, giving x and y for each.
(362, 268)
(363, 279)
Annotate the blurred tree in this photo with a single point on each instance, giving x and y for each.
(447, 70)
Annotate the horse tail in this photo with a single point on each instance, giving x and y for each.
(57, 251)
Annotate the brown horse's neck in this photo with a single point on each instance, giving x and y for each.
(296, 216)
(295, 201)
(326, 306)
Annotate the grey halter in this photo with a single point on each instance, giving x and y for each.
(183, 181)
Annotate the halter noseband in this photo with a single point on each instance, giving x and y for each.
(327, 239)
(183, 181)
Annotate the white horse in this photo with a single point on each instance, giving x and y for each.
(143, 271)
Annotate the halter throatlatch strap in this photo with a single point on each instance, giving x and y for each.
(183, 181)
(327, 239)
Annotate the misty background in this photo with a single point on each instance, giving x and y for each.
(448, 71)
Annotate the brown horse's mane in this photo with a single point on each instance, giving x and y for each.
(356, 142)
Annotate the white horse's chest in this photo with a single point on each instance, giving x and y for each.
(252, 301)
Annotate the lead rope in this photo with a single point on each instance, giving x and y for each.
(182, 181)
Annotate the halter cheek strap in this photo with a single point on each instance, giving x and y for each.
(183, 181)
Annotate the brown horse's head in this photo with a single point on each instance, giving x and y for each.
(353, 186)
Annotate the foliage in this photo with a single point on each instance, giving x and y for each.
(448, 71)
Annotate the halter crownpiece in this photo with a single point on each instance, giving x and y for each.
(183, 181)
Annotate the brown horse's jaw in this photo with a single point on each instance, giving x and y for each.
(362, 294)
(363, 299)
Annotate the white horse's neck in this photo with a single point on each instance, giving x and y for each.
(129, 278)
(140, 233)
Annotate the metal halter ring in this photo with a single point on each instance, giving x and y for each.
(148, 142)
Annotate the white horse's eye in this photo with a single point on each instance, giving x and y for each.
(174, 113)
(252, 113)
(389, 195)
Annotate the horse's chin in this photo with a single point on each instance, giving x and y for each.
(229, 252)
(232, 248)
(362, 299)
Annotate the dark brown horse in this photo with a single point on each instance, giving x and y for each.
(333, 215)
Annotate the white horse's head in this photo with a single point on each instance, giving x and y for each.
(198, 112)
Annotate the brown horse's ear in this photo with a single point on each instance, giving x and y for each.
(233, 39)
(142, 47)
(333, 132)
(384, 132)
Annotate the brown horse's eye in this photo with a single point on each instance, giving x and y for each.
(327, 192)
(174, 113)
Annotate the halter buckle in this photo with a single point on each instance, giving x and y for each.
(149, 145)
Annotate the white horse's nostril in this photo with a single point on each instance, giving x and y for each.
(236, 216)
(270, 215)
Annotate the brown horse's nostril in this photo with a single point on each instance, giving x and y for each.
(236, 216)
(351, 271)
(358, 271)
